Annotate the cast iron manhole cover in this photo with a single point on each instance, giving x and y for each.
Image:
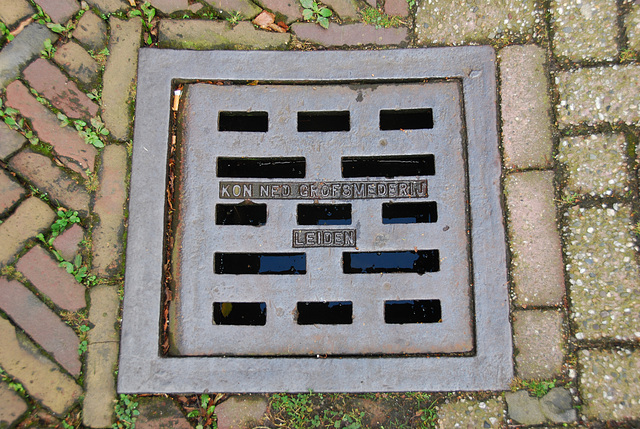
(333, 228)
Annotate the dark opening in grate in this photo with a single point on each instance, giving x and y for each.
(388, 166)
(241, 214)
(406, 119)
(260, 263)
(421, 261)
(425, 212)
(264, 168)
(243, 121)
(412, 311)
(240, 313)
(324, 214)
(324, 121)
(325, 313)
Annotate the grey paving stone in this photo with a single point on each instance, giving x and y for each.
(350, 34)
(632, 25)
(202, 35)
(241, 411)
(22, 50)
(109, 6)
(523, 408)
(526, 121)
(41, 378)
(78, 64)
(102, 356)
(10, 191)
(557, 406)
(10, 141)
(158, 412)
(603, 275)
(346, 9)
(91, 31)
(30, 218)
(170, 6)
(537, 268)
(445, 22)
(585, 30)
(609, 384)
(247, 8)
(595, 164)
(120, 76)
(12, 405)
(470, 413)
(14, 11)
(539, 342)
(600, 94)
(59, 10)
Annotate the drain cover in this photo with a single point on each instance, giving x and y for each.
(335, 230)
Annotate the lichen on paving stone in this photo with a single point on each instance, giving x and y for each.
(472, 413)
(603, 273)
(449, 22)
(595, 164)
(609, 383)
(600, 94)
(632, 24)
(585, 30)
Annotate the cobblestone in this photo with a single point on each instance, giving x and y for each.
(350, 34)
(42, 324)
(595, 164)
(52, 280)
(523, 408)
(41, 378)
(600, 94)
(53, 181)
(102, 356)
(396, 7)
(241, 411)
(74, 152)
(539, 341)
(31, 217)
(632, 24)
(470, 413)
(14, 11)
(12, 406)
(201, 35)
(537, 267)
(120, 76)
(158, 413)
(63, 94)
(78, 63)
(22, 50)
(609, 384)
(290, 9)
(10, 141)
(603, 275)
(59, 10)
(109, 206)
(246, 8)
(526, 121)
(109, 6)
(91, 31)
(346, 9)
(585, 30)
(68, 243)
(170, 6)
(441, 22)
(10, 191)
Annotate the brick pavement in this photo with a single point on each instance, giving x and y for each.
(569, 117)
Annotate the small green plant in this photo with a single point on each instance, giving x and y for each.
(126, 412)
(149, 13)
(61, 29)
(205, 414)
(40, 16)
(234, 18)
(627, 55)
(636, 229)
(95, 94)
(570, 198)
(377, 17)
(428, 416)
(82, 347)
(91, 134)
(10, 117)
(539, 388)
(5, 32)
(48, 50)
(313, 12)
(411, 3)
(11, 383)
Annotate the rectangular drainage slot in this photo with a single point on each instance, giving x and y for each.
(425, 212)
(324, 121)
(241, 214)
(260, 263)
(324, 214)
(388, 166)
(243, 121)
(264, 168)
(406, 119)
(412, 311)
(240, 313)
(410, 261)
(325, 313)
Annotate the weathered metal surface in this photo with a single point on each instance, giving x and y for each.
(468, 234)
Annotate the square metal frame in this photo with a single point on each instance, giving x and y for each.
(143, 369)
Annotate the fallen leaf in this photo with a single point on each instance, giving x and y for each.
(283, 25)
(132, 3)
(264, 19)
(276, 28)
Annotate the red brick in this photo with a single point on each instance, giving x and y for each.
(59, 10)
(290, 9)
(78, 63)
(31, 217)
(58, 185)
(54, 281)
(74, 152)
(10, 191)
(10, 140)
(110, 201)
(156, 413)
(350, 34)
(241, 411)
(396, 7)
(42, 324)
(68, 243)
(49, 81)
(12, 405)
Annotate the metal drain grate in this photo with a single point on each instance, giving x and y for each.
(325, 223)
